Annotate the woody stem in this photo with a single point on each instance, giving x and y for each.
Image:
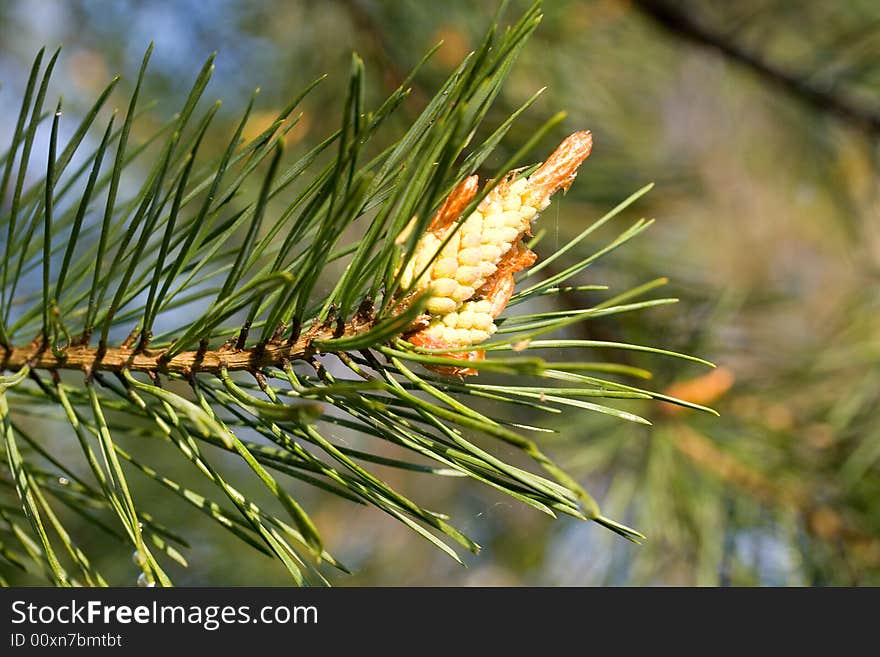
(116, 359)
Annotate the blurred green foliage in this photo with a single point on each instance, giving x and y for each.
(768, 208)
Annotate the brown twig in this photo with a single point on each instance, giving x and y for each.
(116, 359)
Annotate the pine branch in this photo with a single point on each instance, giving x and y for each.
(186, 363)
(236, 278)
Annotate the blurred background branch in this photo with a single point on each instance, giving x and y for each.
(681, 22)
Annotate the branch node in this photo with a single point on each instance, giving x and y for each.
(130, 339)
(295, 331)
(260, 378)
(243, 336)
(143, 342)
(278, 333)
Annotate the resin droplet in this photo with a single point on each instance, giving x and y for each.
(145, 580)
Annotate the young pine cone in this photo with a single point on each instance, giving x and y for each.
(470, 280)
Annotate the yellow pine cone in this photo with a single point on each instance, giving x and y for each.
(472, 323)
(470, 279)
(473, 252)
